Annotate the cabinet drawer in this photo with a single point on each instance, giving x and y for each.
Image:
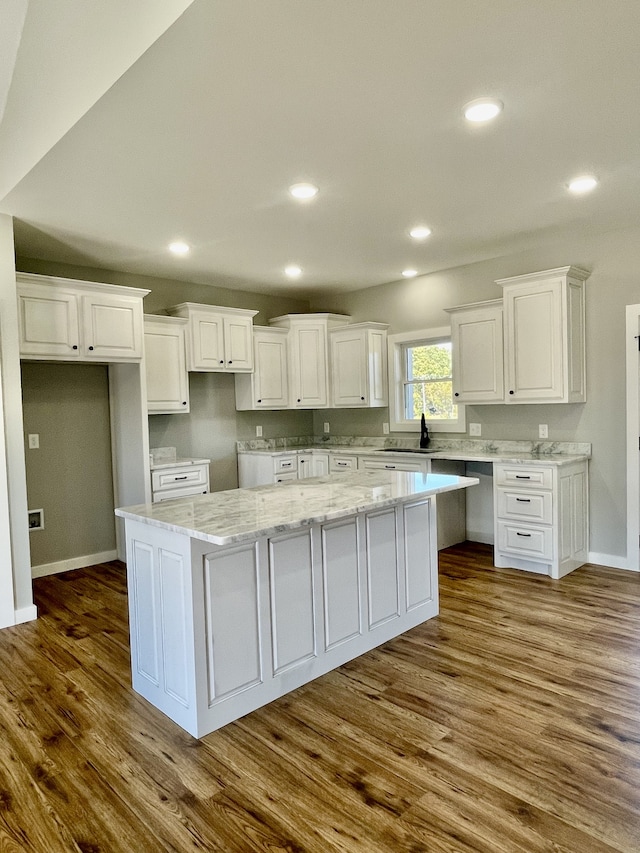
(525, 506)
(287, 477)
(175, 478)
(391, 464)
(537, 477)
(343, 463)
(283, 464)
(524, 540)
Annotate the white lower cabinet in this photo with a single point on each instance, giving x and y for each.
(180, 481)
(541, 517)
(218, 631)
(312, 465)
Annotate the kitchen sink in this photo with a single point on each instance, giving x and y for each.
(406, 450)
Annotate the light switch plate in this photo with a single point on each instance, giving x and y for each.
(475, 429)
(34, 441)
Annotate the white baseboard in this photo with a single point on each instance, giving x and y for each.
(73, 563)
(613, 561)
(26, 614)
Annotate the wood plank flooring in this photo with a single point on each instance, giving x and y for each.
(510, 723)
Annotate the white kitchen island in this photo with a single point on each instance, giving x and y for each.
(238, 597)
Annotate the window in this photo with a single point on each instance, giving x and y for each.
(420, 381)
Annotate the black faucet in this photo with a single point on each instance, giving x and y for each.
(424, 433)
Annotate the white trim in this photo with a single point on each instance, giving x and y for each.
(612, 561)
(25, 614)
(633, 432)
(395, 344)
(73, 563)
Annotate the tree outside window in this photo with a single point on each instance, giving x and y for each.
(427, 383)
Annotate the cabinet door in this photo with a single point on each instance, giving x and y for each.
(534, 325)
(238, 344)
(271, 386)
(349, 368)
(166, 367)
(305, 466)
(309, 367)
(49, 323)
(113, 327)
(477, 355)
(207, 342)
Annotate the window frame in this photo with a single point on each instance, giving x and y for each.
(396, 345)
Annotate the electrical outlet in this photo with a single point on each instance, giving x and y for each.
(385, 429)
(475, 429)
(36, 519)
(258, 432)
(326, 428)
(543, 431)
(34, 441)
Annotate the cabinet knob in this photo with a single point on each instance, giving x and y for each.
(184, 402)
(91, 348)
(259, 401)
(75, 346)
(298, 399)
(230, 362)
(362, 398)
(221, 361)
(512, 392)
(456, 394)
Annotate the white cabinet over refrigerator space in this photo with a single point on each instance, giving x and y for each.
(68, 320)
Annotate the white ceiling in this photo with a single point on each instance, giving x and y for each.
(196, 127)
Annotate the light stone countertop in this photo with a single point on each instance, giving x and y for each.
(239, 515)
(177, 462)
(460, 450)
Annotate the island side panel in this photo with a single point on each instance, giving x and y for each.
(161, 618)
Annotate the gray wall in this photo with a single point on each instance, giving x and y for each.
(69, 476)
(614, 261)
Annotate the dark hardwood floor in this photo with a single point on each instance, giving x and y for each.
(509, 723)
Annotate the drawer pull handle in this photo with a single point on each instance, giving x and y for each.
(522, 477)
(526, 535)
(286, 464)
(342, 464)
(390, 466)
(524, 500)
(180, 478)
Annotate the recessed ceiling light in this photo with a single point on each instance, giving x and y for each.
(293, 271)
(420, 232)
(409, 273)
(583, 184)
(303, 191)
(179, 248)
(482, 109)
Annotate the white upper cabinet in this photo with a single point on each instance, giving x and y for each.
(69, 320)
(477, 352)
(528, 347)
(219, 339)
(268, 386)
(166, 364)
(358, 358)
(544, 336)
(308, 357)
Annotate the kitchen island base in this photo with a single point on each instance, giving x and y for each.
(218, 631)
